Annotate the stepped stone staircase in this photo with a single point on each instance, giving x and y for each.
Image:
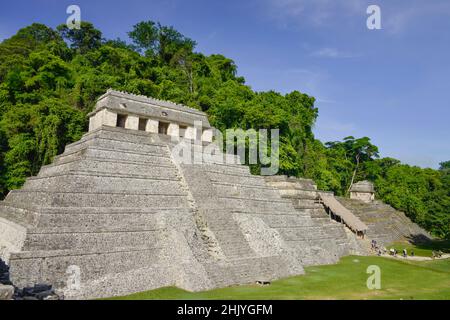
(125, 210)
(333, 236)
(116, 214)
(248, 221)
(386, 225)
(112, 206)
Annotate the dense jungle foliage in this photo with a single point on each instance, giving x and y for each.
(50, 79)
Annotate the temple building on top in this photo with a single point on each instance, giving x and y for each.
(118, 109)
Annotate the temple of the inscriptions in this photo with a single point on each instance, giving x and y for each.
(115, 109)
(116, 213)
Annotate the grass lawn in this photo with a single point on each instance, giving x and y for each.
(344, 280)
(423, 250)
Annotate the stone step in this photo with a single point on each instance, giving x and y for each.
(274, 213)
(117, 144)
(111, 154)
(75, 182)
(140, 268)
(70, 222)
(232, 251)
(204, 158)
(301, 204)
(88, 199)
(250, 270)
(236, 203)
(22, 216)
(299, 194)
(280, 221)
(120, 134)
(247, 180)
(313, 252)
(317, 212)
(109, 210)
(226, 169)
(303, 233)
(292, 186)
(241, 191)
(321, 220)
(99, 241)
(111, 167)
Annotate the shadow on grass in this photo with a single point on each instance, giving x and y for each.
(434, 245)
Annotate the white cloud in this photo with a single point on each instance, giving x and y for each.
(314, 12)
(399, 19)
(306, 80)
(325, 100)
(333, 129)
(333, 53)
(420, 160)
(397, 16)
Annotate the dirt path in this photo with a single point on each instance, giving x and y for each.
(415, 258)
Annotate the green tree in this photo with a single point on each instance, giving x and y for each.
(444, 165)
(360, 150)
(156, 39)
(84, 39)
(145, 36)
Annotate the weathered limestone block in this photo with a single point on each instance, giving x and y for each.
(6, 292)
(152, 126)
(190, 133)
(12, 237)
(207, 135)
(173, 130)
(132, 122)
(103, 117)
(363, 196)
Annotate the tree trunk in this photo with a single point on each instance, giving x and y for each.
(354, 174)
(191, 81)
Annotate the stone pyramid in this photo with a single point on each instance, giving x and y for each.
(116, 214)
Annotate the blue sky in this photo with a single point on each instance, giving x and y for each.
(391, 85)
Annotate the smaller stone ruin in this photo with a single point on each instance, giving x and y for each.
(363, 190)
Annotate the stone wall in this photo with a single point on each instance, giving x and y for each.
(117, 213)
(332, 236)
(386, 225)
(112, 206)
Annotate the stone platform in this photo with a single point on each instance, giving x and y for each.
(334, 237)
(115, 214)
(386, 225)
